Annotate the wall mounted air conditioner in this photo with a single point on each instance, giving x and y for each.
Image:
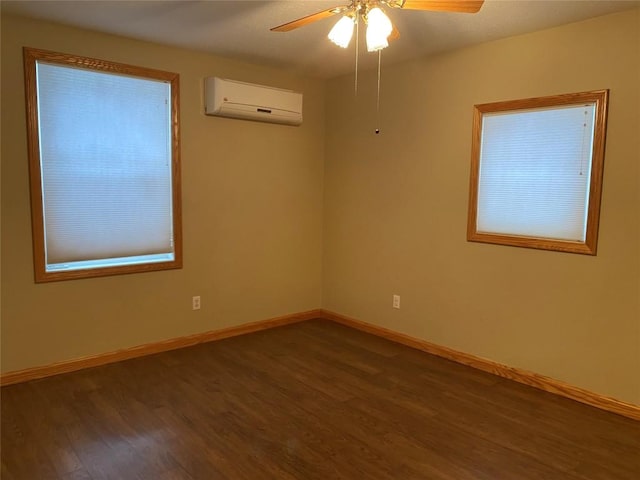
(229, 98)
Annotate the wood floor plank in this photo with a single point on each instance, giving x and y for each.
(309, 401)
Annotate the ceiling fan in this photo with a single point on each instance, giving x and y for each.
(379, 27)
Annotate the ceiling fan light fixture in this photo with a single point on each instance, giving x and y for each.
(379, 28)
(342, 31)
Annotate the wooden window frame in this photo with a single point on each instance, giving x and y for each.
(589, 246)
(31, 56)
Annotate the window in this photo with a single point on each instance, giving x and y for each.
(536, 172)
(104, 166)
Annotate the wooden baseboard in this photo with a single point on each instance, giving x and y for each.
(151, 348)
(519, 375)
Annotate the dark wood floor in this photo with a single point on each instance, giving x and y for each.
(314, 400)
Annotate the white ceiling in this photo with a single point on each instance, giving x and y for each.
(240, 28)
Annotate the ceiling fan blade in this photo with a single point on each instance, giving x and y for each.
(301, 22)
(460, 6)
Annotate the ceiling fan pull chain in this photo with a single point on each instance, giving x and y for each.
(357, 43)
(378, 95)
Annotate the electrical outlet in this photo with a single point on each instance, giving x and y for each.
(195, 302)
(396, 301)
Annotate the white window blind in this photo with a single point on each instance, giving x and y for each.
(534, 175)
(105, 157)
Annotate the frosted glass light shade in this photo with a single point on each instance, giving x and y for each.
(342, 32)
(379, 27)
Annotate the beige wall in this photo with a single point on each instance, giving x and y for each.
(396, 210)
(252, 213)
